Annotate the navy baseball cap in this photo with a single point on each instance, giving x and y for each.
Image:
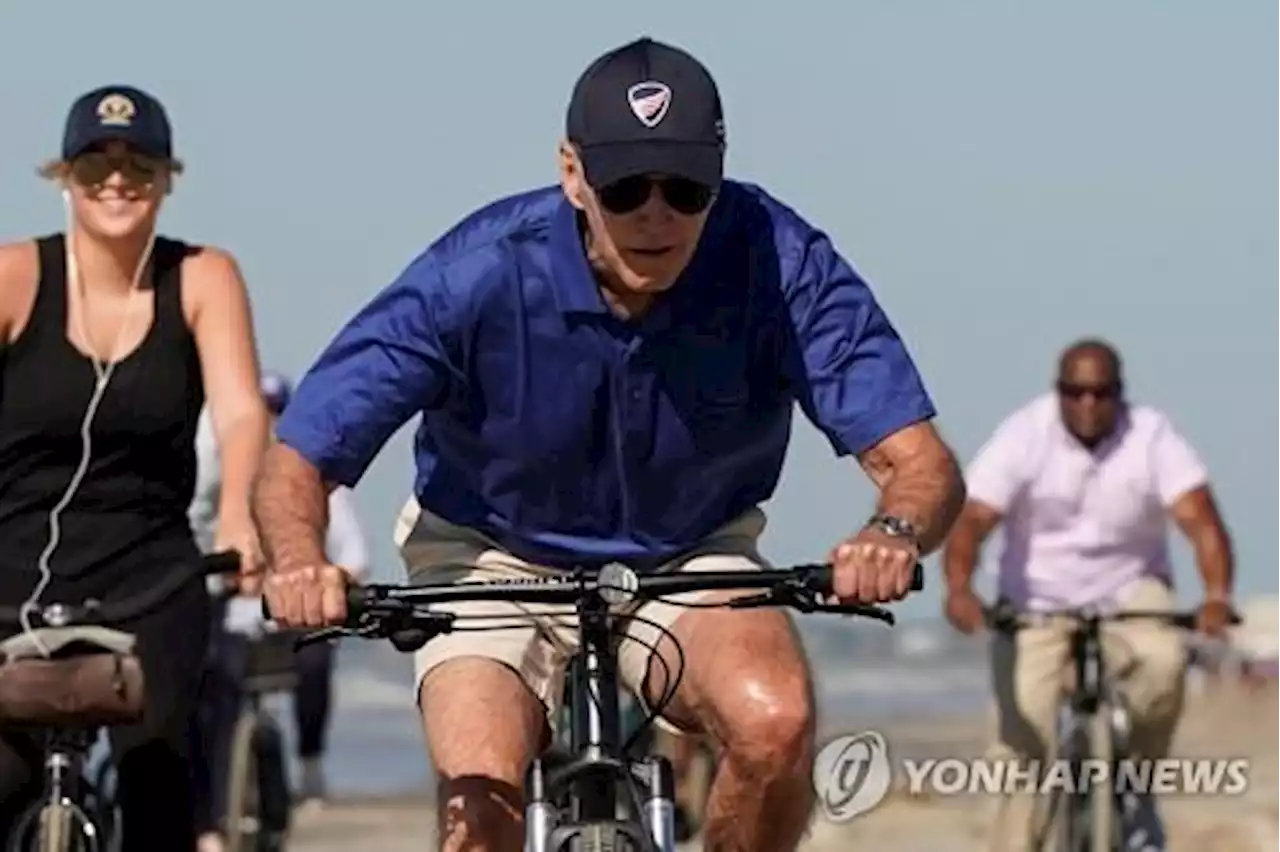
(117, 113)
(647, 107)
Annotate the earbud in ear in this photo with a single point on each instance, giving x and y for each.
(66, 196)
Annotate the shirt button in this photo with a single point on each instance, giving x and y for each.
(636, 395)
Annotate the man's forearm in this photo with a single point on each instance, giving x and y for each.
(960, 557)
(291, 506)
(929, 496)
(1214, 559)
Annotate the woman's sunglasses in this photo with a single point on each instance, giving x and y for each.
(93, 168)
(682, 195)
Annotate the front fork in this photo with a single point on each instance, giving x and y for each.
(658, 817)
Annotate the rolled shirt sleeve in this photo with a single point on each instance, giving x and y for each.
(1176, 466)
(857, 382)
(997, 473)
(388, 363)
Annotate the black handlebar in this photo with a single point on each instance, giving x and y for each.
(1006, 619)
(403, 614)
(567, 591)
(816, 578)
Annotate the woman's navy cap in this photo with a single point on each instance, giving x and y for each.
(117, 113)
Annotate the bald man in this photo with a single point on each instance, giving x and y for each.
(1083, 481)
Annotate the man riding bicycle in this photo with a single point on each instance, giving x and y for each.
(606, 371)
(1083, 482)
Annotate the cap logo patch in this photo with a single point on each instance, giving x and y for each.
(116, 111)
(650, 102)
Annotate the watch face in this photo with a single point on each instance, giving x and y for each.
(896, 526)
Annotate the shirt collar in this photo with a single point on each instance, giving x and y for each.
(1104, 448)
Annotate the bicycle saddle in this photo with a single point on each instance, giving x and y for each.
(34, 645)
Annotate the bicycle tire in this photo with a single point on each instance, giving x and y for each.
(274, 800)
(54, 828)
(1076, 829)
(240, 825)
(24, 833)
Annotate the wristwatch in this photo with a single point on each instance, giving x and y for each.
(896, 527)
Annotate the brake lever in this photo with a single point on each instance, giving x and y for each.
(318, 636)
(879, 613)
(752, 601)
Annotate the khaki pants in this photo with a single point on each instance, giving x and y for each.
(536, 641)
(1031, 671)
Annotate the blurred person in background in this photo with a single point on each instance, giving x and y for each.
(1083, 481)
(237, 618)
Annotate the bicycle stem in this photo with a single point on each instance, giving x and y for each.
(595, 732)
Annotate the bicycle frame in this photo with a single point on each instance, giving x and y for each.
(68, 797)
(1091, 691)
(592, 775)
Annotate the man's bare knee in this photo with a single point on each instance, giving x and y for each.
(483, 728)
(480, 720)
(753, 694)
(770, 728)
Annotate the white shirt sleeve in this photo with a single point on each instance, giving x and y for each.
(997, 474)
(1178, 469)
(203, 511)
(345, 543)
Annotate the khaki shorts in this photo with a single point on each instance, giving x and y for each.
(537, 640)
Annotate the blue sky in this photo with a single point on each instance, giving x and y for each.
(1008, 176)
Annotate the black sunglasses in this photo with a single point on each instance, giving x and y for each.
(95, 166)
(1100, 392)
(682, 195)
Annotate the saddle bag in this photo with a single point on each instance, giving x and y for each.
(70, 677)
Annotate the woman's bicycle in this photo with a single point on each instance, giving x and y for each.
(594, 796)
(62, 683)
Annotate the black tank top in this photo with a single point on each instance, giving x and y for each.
(127, 522)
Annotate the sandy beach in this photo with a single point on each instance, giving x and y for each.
(1222, 720)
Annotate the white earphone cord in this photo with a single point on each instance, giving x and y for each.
(104, 373)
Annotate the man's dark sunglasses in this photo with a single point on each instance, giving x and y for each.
(1077, 391)
(682, 195)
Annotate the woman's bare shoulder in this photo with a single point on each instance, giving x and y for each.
(19, 273)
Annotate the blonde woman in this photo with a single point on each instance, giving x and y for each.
(111, 338)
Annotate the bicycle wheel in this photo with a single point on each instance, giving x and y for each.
(56, 827)
(25, 834)
(1074, 808)
(241, 823)
(274, 799)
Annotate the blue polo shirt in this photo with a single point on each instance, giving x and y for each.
(573, 437)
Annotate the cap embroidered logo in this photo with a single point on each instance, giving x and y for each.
(650, 102)
(116, 111)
